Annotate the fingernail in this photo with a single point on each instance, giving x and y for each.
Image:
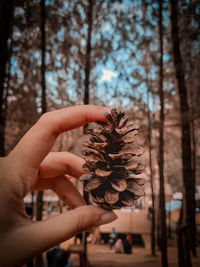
(107, 217)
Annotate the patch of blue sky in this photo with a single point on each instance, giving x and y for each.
(51, 79)
(105, 29)
(123, 87)
(57, 60)
(166, 57)
(16, 33)
(112, 87)
(81, 11)
(52, 85)
(73, 48)
(122, 55)
(107, 75)
(84, 29)
(75, 34)
(72, 86)
(61, 33)
(19, 11)
(35, 56)
(196, 47)
(65, 6)
(124, 63)
(14, 69)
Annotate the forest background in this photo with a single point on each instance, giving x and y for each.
(140, 56)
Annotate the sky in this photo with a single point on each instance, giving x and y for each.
(116, 77)
(107, 75)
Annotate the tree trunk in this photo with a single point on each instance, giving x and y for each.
(39, 208)
(192, 124)
(39, 260)
(149, 87)
(153, 253)
(161, 147)
(43, 53)
(180, 239)
(87, 57)
(87, 71)
(6, 16)
(188, 178)
(6, 89)
(194, 251)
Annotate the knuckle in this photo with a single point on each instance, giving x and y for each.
(46, 121)
(44, 117)
(81, 222)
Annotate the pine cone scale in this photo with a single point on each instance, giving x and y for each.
(93, 183)
(111, 197)
(135, 188)
(120, 185)
(102, 173)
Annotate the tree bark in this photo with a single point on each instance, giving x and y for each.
(39, 260)
(6, 17)
(161, 147)
(188, 178)
(87, 57)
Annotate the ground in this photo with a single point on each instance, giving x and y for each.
(135, 221)
(102, 256)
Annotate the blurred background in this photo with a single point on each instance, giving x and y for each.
(142, 57)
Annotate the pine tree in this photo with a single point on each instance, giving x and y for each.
(6, 17)
(188, 210)
(39, 259)
(161, 146)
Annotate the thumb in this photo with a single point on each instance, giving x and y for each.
(27, 241)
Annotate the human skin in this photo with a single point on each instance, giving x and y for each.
(31, 166)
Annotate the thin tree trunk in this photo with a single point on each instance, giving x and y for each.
(87, 89)
(194, 251)
(60, 205)
(188, 179)
(6, 17)
(150, 158)
(158, 225)
(156, 201)
(39, 260)
(87, 59)
(180, 239)
(43, 53)
(148, 85)
(7, 86)
(32, 204)
(161, 147)
(192, 128)
(87, 71)
(151, 180)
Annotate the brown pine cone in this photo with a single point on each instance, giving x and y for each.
(113, 160)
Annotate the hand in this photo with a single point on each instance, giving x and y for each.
(31, 166)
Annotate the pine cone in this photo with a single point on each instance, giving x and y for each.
(113, 160)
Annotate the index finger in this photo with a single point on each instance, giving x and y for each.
(38, 141)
